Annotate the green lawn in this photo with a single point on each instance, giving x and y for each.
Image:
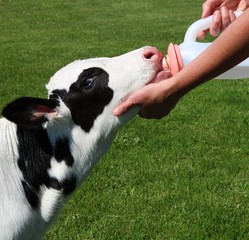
(183, 177)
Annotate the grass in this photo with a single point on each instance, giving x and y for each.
(183, 177)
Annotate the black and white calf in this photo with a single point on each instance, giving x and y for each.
(48, 146)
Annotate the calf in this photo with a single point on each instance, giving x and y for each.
(48, 146)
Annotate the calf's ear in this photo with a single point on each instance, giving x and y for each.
(29, 111)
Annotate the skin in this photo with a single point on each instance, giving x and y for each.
(229, 49)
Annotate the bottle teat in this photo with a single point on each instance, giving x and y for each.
(173, 59)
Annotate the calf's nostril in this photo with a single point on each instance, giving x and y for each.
(149, 55)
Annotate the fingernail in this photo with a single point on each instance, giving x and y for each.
(116, 112)
(216, 32)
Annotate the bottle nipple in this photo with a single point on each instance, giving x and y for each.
(173, 59)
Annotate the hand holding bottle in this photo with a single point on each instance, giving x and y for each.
(223, 14)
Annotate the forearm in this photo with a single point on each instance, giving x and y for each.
(229, 49)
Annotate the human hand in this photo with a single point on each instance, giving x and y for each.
(223, 15)
(156, 100)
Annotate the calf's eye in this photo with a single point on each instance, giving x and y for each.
(88, 83)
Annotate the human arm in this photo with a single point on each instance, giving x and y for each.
(229, 49)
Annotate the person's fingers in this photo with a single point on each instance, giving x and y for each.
(243, 5)
(225, 18)
(221, 20)
(232, 15)
(209, 7)
(223, 15)
(206, 10)
(201, 35)
(216, 24)
(124, 107)
(233, 4)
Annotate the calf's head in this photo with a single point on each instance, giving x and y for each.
(86, 90)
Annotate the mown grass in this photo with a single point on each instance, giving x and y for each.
(183, 177)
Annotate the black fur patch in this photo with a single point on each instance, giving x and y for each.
(68, 185)
(31, 195)
(87, 97)
(62, 151)
(35, 153)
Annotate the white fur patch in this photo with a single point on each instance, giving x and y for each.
(59, 170)
(51, 201)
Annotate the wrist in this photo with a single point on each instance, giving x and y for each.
(175, 85)
(169, 87)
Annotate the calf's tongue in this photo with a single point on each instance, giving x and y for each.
(164, 74)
